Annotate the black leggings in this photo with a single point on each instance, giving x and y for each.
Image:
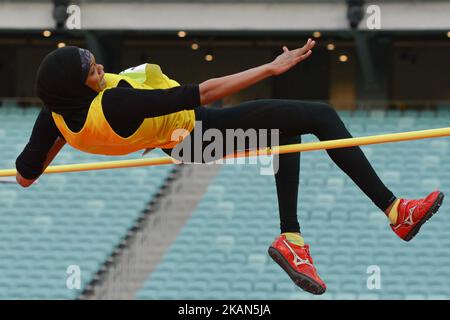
(293, 118)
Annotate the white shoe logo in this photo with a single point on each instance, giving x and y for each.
(409, 221)
(297, 260)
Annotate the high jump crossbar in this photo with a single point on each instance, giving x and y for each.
(300, 147)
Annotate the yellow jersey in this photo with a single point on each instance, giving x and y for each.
(97, 136)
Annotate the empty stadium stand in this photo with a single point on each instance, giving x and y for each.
(71, 219)
(222, 251)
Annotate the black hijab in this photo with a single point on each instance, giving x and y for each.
(60, 82)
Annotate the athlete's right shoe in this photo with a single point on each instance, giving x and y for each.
(412, 214)
(298, 264)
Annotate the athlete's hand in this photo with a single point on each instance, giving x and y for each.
(290, 58)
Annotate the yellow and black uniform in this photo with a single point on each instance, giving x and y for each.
(125, 113)
(115, 121)
(98, 137)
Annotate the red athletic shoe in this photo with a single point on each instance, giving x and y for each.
(412, 214)
(298, 264)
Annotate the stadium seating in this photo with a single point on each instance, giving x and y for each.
(222, 251)
(65, 219)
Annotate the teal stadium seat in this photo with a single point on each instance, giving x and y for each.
(65, 219)
(347, 232)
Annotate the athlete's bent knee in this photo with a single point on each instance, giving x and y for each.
(326, 115)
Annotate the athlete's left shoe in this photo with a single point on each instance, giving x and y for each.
(298, 264)
(412, 214)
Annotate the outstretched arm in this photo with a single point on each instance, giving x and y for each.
(57, 146)
(218, 88)
(45, 142)
(133, 105)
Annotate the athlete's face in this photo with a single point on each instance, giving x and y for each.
(96, 76)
